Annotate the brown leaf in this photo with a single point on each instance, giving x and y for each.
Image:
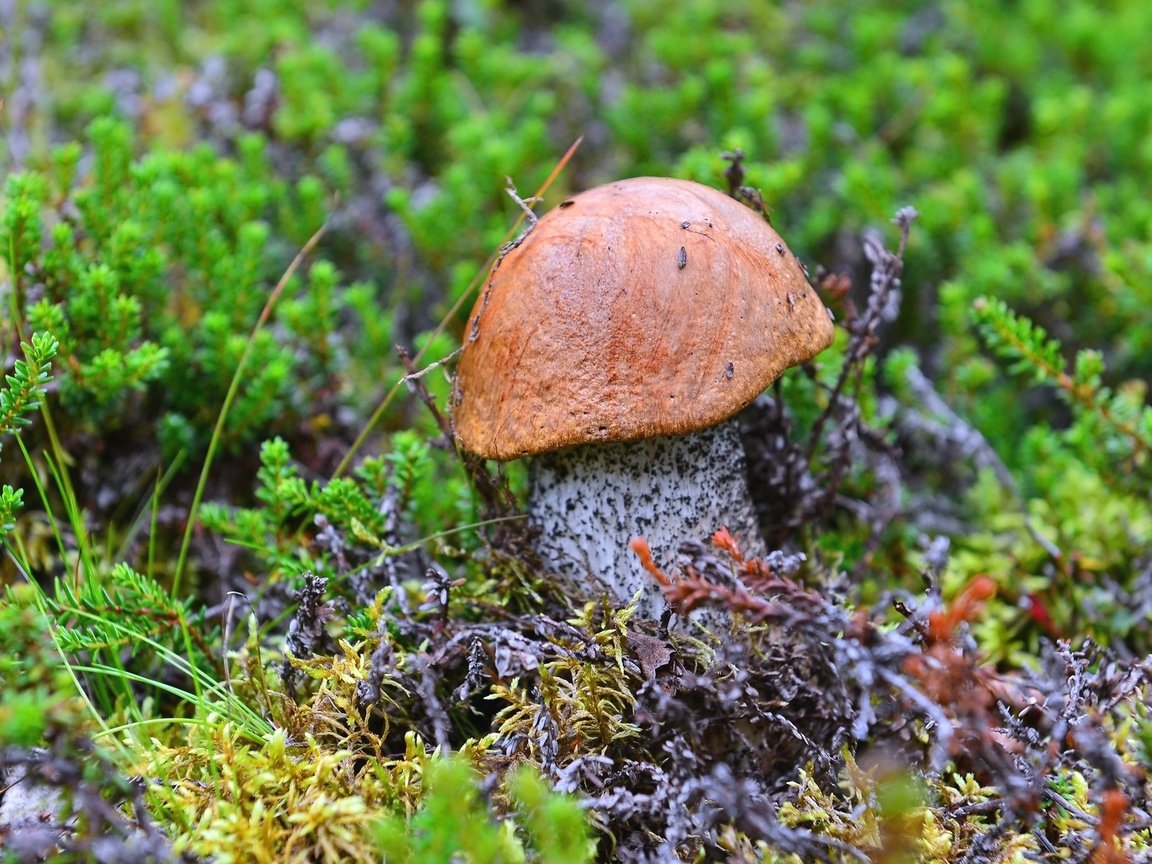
(650, 651)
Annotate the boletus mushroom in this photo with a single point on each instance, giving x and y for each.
(614, 344)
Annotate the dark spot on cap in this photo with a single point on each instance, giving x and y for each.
(731, 370)
(685, 224)
(682, 260)
(568, 202)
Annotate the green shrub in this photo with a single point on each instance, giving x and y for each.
(152, 271)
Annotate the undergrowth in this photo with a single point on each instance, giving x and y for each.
(257, 607)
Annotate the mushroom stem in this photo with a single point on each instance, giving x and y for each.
(590, 501)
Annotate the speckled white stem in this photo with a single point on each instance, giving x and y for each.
(591, 501)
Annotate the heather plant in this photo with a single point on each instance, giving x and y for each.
(1067, 541)
(150, 275)
(1112, 429)
(382, 508)
(19, 397)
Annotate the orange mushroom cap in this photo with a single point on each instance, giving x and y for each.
(641, 308)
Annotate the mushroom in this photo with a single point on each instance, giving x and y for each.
(615, 344)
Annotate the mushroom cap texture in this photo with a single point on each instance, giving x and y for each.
(640, 308)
